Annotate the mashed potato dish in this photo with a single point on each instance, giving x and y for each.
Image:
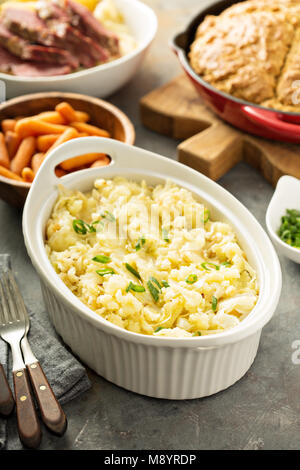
(150, 259)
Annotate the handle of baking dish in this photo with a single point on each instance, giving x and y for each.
(74, 148)
(273, 120)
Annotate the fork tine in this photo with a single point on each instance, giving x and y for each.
(16, 303)
(5, 314)
(2, 319)
(11, 311)
(18, 299)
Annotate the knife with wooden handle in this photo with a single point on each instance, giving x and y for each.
(7, 401)
(28, 424)
(51, 411)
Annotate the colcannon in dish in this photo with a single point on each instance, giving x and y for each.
(148, 268)
(251, 51)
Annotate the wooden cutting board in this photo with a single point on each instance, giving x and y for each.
(210, 145)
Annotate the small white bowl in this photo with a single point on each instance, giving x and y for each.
(102, 80)
(286, 196)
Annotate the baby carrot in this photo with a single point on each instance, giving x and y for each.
(68, 134)
(4, 157)
(101, 162)
(89, 129)
(8, 125)
(23, 155)
(81, 116)
(81, 160)
(27, 174)
(51, 116)
(66, 111)
(9, 174)
(12, 141)
(44, 142)
(70, 114)
(60, 172)
(36, 161)
(33, 127)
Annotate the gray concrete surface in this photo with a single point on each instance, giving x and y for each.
(261, 411)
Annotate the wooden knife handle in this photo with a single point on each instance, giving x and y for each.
(7, 401)
(51, 412)
(28, 423)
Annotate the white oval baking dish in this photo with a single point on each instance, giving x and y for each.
(173, 368)
(101, 80)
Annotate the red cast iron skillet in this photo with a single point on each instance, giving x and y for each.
(255, 119)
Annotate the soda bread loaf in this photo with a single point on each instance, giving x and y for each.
(252, 51)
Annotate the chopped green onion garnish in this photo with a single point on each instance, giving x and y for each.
(165, 284)
(225, 263)
(153, 279)
(141, 241)
(206, 216)
(204, 265)
(109, 216)
(158, 329)
(197, 333)
(191, 279)
(135, 288)
(165, 234)
(153, 291)
(133, 271)
(105, 271)
(214, 303)
(80, 226)
(102, 259)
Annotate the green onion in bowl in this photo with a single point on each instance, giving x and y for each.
(289, 230)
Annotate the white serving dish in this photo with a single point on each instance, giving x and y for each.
(286, 196)
(173, 368)
(102, 80)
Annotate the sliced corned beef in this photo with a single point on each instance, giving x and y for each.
(59, 21)
(40, 69)
(90, 26)
(55, 39)
(87, 51)
(9, 63)
(7, 60)
(10, 41)
(77, 15)
(54, 33)
(25, 50)
(24, 23)
(52, 55)
(53, 10)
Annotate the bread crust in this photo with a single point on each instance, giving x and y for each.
(252, 51)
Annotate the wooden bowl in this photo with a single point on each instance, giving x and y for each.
(102, 113)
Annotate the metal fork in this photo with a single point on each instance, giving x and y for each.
(12, 330)
(51, 412)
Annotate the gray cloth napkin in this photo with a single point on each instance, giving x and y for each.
(66, 375)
